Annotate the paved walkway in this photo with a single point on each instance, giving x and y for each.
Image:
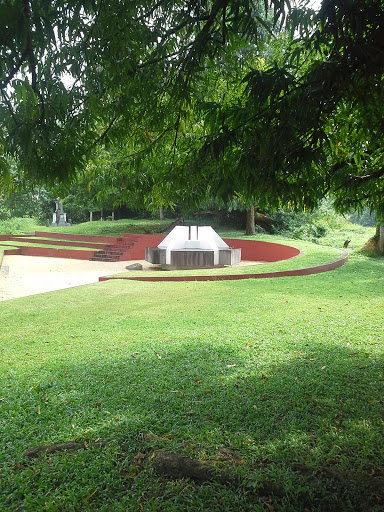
(21, 276)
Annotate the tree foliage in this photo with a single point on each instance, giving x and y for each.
(178, 87)
(312, 125)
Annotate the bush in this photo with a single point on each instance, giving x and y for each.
(310, 232)
(366, 218)
(18, 225)
(302, 225)
(4, 211)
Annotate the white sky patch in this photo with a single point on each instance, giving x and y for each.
(315, 4)
(68, 80)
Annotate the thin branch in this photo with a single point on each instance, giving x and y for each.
(150, 12)
(224, 22)
(9, 107)
(164, 57)
(99, 139)
(15, 70)
(367, 177)
(89, 35)
(150, 146)
(29, 45)
(203, 35)
(356, 180)
(86, 40)
(174, 145)
(178, 27)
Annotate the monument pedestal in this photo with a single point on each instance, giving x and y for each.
(59, 217)
(191, 248)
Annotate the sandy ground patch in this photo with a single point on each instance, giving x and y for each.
(21, 276)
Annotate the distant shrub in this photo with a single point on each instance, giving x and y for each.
(17, 225)
(4, 211)
(310, 232)
(302, 225)
(366, 218)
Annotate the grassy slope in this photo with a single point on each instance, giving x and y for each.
(282, 370)
(116, 228)
(105, 228)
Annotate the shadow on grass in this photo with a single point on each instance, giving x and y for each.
(280, 371)
(319, 407)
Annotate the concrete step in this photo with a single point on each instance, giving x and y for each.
(116, 251)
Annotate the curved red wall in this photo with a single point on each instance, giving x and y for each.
(253, 250)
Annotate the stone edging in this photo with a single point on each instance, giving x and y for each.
(234, 277)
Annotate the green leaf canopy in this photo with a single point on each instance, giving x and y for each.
(306, 123)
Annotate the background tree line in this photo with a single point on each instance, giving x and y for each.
(260, 102)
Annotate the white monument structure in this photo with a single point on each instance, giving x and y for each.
(59, 216)
(188, 247)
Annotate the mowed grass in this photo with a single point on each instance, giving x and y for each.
(288, 373)
(115, 228)
(103, 228)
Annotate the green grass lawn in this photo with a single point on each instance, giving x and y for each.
(287, 373)
(115, 228)
(101, 228)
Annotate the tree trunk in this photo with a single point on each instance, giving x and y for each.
(380, 238)
(90, 216)
(161, 213)
(113, 216)
(250, 225)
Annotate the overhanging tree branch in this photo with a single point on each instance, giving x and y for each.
(103, 135)
(14, 71)
(9, 106)
(149, 13)
(368, 177)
